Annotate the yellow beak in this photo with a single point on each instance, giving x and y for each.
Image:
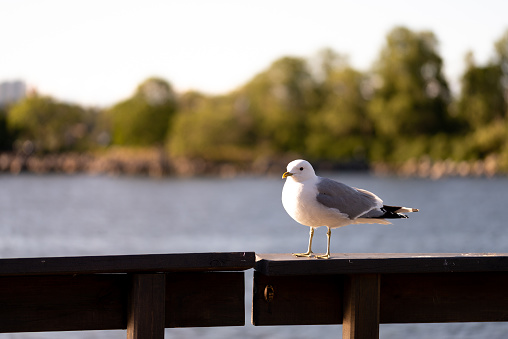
(286, 174)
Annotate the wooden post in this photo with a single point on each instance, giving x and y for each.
(361, 307)
(146, 306)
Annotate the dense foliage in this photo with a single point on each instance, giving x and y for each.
(319, 108)
(143, 119)
(5, 137)
(48, 125)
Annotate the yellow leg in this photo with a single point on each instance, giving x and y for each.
(309, 251)
(327, 255)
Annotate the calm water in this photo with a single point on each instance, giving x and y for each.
(58, 215)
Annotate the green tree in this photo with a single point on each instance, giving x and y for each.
(340, 129)
(482, 94)
(280, 100)
(5, 135)
(143, 119)
(213, 128)
(501, 58)
(411, 97)
(411, 94)
(50, 125)
(483, 105)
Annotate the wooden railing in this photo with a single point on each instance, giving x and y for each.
(147, 293)
(362, 291)
(140, 293)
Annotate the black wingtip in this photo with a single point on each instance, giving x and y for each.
(390, 213)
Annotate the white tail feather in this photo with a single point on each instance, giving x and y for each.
(406, 210)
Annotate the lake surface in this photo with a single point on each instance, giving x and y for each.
(57, 215)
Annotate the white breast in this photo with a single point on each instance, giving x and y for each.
(299, 201)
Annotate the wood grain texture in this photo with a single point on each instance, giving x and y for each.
(297, 300)
(444, 297)
(403, 298)
(179, 262)
(102, 301)
(63, 303)
(361, 307)
(358, 263)
(145, 319)
(198, 299)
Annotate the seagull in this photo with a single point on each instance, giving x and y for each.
(315, 201)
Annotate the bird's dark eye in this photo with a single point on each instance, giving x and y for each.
(301, 168)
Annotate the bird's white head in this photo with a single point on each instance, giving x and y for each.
(300, 170)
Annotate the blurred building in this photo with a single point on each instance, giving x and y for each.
(11, 91)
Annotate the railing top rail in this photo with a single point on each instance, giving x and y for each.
(218, 261)
(268, 264)
(355, 263)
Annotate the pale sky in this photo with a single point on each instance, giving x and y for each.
(96, 52)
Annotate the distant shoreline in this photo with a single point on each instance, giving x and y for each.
(151, 163)
(155, 163)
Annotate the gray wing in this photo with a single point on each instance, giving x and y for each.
(351, 201)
